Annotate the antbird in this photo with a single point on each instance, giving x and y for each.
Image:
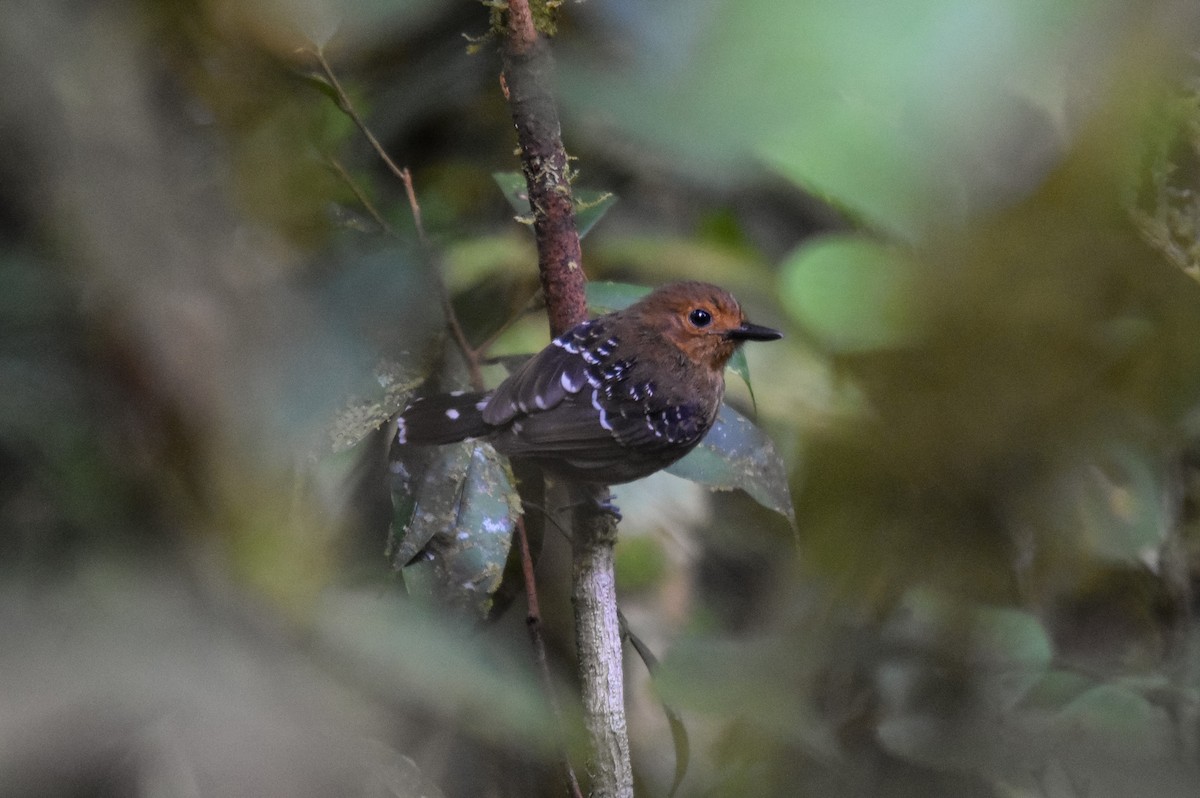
(611, 400)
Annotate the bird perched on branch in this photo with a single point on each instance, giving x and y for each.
(611, 400)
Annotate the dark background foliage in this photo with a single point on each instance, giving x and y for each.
(977, 223)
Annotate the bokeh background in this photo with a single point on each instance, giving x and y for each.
(977, 222)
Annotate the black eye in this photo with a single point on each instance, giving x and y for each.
(700, 317)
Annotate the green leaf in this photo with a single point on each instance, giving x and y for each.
(461, 525)
(679, 734)
(1055, 689)
(515, 190)
(606, 297)
(1116, 497)
(512, 582)
(852, 295)
(590, 205)
(738, 455)
(411, 654)
(879, 107)
(365, 412)
(1111, 717)
(995, 637)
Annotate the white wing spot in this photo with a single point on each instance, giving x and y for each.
(540, 401)
(401, 431)
(481, 404)
(651, 427)
(457, 393)
(452, 414)
(603, 416)
(568, 386)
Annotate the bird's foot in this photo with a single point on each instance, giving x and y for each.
(605, 504)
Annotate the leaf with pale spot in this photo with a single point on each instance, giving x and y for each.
(372, 404)
(457, 527)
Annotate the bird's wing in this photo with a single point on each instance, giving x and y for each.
(588, 421)
(577, 396)
(558, 371)
(655, 425)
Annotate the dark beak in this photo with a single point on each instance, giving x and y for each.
(753, 332)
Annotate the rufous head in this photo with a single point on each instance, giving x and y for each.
(703, 320)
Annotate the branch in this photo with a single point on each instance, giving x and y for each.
(528, 86)
(343, 102)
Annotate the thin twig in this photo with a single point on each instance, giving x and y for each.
(361, 196)
(470, 354)
(343, 102)
(414, 206)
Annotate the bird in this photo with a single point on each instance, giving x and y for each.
(611, 400)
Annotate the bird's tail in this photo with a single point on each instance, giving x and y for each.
(445, 418)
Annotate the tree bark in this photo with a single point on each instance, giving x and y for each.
(529, 88)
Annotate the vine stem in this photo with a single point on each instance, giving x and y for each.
(470, 354)
(527, 83)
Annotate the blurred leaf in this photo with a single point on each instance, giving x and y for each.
(318, 20)
(362, 415)
(640, 562)
(1107, 499)
(992, 637)
(1056, 689)
(738, 455)
(321, 84)
(695, 676)
(658, 259)
(851, 294)
(1123, 513)
(515, 190)
(606, 297)
(679, 734)
(590, 205)
(405, 651)
(888, 113)
(996, 655)
(457, 539)
(1113, 718)
(1166, 208)
(470, 262)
